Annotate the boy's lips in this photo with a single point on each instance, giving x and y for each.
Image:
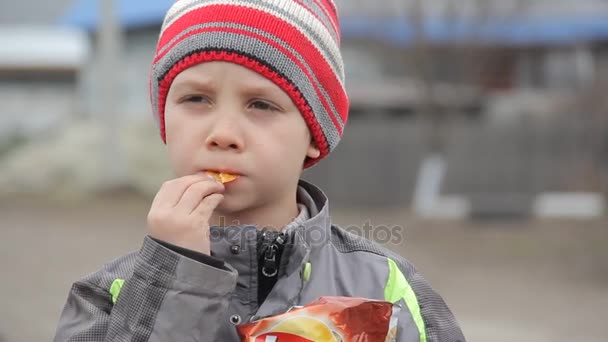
(223, 170)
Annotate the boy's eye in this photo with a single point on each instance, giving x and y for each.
(261, 105)
(195, 99)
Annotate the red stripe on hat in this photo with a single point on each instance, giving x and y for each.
(331, 4)
(268, 23)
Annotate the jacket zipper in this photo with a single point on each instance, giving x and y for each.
(270, 268)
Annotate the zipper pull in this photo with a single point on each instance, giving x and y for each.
(270, 268)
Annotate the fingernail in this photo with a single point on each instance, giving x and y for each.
(210, 176)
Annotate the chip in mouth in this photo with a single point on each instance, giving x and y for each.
(222, 177)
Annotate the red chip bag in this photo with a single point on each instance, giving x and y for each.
(328, 319)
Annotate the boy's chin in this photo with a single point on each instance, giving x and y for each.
(229, 207)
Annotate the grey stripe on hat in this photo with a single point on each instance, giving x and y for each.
(266, 35)
(335, 61)
(225, 41)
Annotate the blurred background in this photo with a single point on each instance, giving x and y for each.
(479, 126)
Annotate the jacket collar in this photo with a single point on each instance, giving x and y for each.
(237, 246)
(303, 238)
(310, 234)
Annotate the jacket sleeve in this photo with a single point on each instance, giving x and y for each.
(435, 320)
(161, 296)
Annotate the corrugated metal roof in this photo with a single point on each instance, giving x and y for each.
(508, 31)
(23, 47)
(32, 12)
(473, 7)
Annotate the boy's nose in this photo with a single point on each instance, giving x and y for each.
(224, 136)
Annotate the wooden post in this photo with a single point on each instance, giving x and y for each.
(110, 95)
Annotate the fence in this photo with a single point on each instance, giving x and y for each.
(377, 161)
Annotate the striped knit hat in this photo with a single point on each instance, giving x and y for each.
(294, 43)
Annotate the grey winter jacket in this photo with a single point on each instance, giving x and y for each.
(156, 294)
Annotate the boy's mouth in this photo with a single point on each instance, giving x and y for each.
(222, 177)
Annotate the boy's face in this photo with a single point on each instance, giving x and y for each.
(224, 117)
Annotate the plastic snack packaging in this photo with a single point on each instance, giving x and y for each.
(328, 319)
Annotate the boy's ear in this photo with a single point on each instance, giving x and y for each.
(313, 151)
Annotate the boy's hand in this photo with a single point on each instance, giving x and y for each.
(181, 210)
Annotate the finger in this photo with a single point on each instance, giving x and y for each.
(172, 191)
(208, 205)
(195, 193)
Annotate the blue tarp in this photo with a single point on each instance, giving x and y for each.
(511, 31)
(131, 13)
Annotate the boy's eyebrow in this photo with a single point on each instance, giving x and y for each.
(258, 90)
(192, 84)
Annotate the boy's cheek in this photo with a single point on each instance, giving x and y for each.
(178, 159)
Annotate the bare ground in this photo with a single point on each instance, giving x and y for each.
(505, 281)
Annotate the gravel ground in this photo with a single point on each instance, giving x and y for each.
(505, 281)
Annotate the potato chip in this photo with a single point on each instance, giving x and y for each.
(222, 177)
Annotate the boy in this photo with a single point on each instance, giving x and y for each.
(254, 91)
